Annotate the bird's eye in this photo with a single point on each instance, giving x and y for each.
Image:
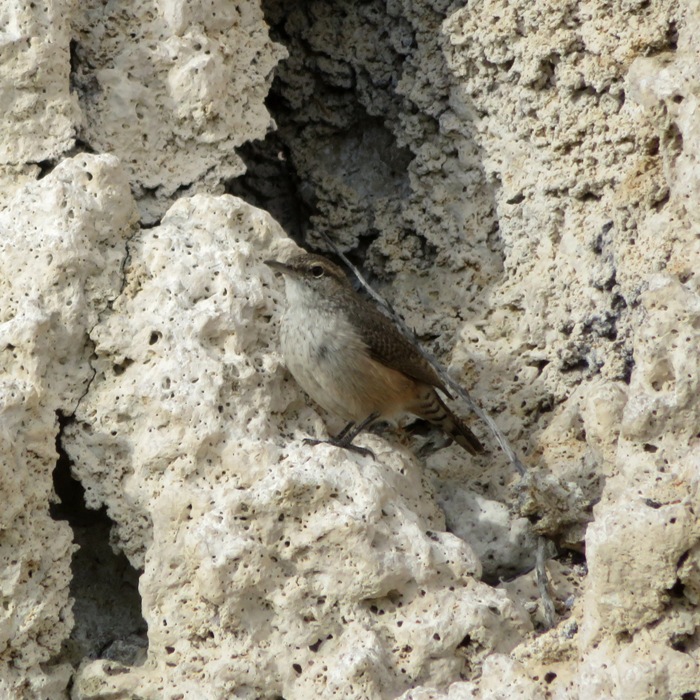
(317, 271)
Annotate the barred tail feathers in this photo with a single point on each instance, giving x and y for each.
(434, 410)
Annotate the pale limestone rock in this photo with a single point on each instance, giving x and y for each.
(61, 247)
(13, 178)
(505, 679)
(556, 191)
(39, 116)
(629, 589)
(172, 88)
(528, 180)
(639, 668)
(276, 567)
(181, 339)
(639, 440)
(504, 545)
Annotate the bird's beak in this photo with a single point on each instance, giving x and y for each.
(278, 266)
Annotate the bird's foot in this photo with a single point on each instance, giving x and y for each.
(364, 451)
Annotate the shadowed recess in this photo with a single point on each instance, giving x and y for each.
(104, 587)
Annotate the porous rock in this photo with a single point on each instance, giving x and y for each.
(172, 88)
(63, 240)
(275, 568)
(520, 180)
(39, 115)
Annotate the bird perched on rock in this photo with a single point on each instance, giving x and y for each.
(351, 358)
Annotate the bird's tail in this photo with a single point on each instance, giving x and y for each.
(433, 409)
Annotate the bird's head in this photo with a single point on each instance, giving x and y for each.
(310, 275)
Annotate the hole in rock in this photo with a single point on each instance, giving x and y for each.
(626, 374)
(572, 557)
(120, 368)
(271, 183)
(465, 642)
(673, 139)
(672, 40)
(45, 168)
(589, 196)
(682, 559)
(107, 607)
(676, 591)
(685, 643)
(574, 364)
(618, 303)
(333, 163)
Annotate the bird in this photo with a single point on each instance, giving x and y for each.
(352, 360)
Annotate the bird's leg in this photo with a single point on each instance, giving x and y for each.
(336, 440)
(344, 431)
(351, 431)
(345, 437)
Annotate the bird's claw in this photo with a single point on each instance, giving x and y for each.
(364, 451)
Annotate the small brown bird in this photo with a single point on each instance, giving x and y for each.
(351, 359)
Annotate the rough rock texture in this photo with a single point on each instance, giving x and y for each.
(171, 88)
(62, 244)
(40, 116)
(242, 534)
(520, 178)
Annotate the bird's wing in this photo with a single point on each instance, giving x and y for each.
(386, 344)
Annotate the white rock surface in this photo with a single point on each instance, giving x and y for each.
(189, 434)
(62, 244)
(522, 179)
(172, 88)
(39, 116)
